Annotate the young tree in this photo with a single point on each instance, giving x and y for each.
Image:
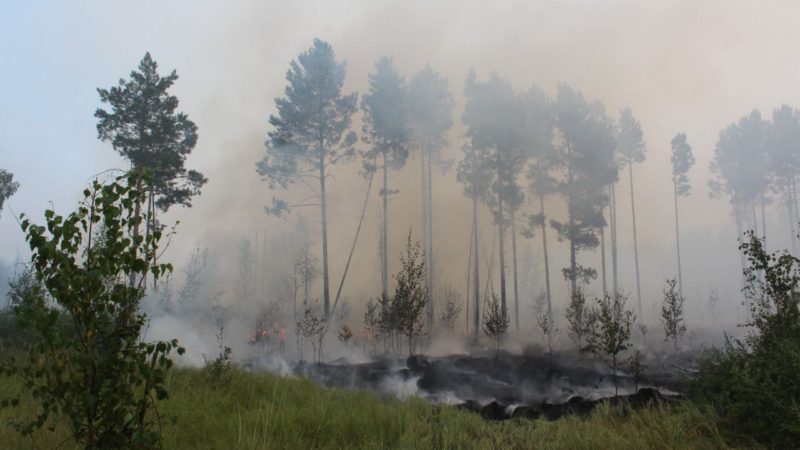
(494, 116)
(549, 331)
(387, 131)
(631, 149)
(311, 327)
(586, 164)
(672, 314)
(144, 128)
(8, 186)
(580, 318)
(96, 374)
(345, 334)
(613, 332)
(430, 109)
(410, 295)
(682, 160)
(310, 135)
(450, 310)
(495, 322)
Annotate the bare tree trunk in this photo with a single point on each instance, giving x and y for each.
(429, 252)
(792, 214)
(324, 213)
(614, 254)
(476, 277)
(514, 264)
(385, 233)
(764, 221)
(603, 252)
(635, 245)
(501, 252)
(677, 238)
(546, 260)
(425, 235)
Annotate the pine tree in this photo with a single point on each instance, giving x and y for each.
(586, 166)
(430, 108)
(143, 127)
(387, 131)
(472, 173)
(310, 135)
(632, 150)
(682, 160)
(541, 183)
(783, 139)
(495, 117)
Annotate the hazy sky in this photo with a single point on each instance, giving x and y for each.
(680, 65)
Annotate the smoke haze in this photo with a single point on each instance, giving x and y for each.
(681, 66)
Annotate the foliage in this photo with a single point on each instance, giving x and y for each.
(24, 287)
(753, 382)
(636, 366)
(580, 318)
(547, 324)
(8, 186)
(451, 309)
(612, 335)
(97, 376)
(311, 324)
(682, 160)
(219, 369)
(585, 162)
(345, 334)
(495, 321)
(143, 127)
(410, 295)
(672, 313)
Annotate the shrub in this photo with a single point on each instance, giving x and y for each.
(95, 375)
(754, 382)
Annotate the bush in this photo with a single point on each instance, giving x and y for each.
(754, 383)
(93, 375)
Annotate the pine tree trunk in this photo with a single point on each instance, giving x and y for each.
(764, 221)
(677, 238)
(385, 233)
(501, 236)
(792, 214)
(431, 306)
(476, 278)
(324, 213)
(614, 253)
(546, 259)
(425, 236)
(603, 252)
(514, 264)
(635, 245)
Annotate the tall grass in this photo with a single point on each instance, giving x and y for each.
(262, 411)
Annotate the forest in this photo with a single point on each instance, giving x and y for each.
(471, 253)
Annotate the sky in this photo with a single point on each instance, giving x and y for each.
(682, 66)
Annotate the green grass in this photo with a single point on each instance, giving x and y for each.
(261, 411)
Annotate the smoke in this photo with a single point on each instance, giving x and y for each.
(680, 66)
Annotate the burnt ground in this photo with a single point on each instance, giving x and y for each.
(510, 385)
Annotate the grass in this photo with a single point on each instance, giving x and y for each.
(262, 411)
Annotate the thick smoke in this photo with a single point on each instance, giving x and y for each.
(680, 67)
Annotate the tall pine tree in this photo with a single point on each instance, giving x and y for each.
(682, 160)
(311, 134)
(387, 131)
